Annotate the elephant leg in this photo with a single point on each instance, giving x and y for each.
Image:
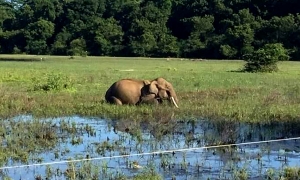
(148, 99)
(159, 100)
(115, 100)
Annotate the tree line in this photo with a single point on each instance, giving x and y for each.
(214, 29)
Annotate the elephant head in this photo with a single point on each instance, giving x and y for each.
(163, 90)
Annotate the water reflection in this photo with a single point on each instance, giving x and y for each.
(88, 138)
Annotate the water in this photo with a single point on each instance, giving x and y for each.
(114, 139)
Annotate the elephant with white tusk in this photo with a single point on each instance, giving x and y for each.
(134, 92)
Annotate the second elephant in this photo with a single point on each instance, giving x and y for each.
(134, 91)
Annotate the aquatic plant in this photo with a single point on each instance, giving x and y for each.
(147, 174)
(290, 173)
(241, 174)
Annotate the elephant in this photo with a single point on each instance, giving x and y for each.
(135, 92)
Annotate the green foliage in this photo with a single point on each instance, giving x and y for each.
(40, 29)
(60, 46)
(107, 37)
(168, 46)
(143, 45)
(247, 49)
(36, 47)
(265, 59)
(202, 28)
(16, 50)
(239, 34)
(162, 28)
(52, 82)
(37, 34)
(77, 47)
(6, 12)
(228, 51)
(280, 29)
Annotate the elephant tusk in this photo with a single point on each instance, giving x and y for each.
(174, 102)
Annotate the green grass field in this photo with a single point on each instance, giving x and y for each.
(205, 89)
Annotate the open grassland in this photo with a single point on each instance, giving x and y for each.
(62, 86)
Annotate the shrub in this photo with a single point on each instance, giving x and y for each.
(52, 81)
(265, 59)
(228, 51)
(77, 47)
(16, 50)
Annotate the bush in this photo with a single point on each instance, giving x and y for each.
(36, 47)
(228, 51)
(16, 50)
(52, 81)
(77, 47)
(265, 59)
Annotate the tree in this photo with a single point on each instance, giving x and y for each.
(240, 36)
(279, 29)
(7, 12)
(77, 47)
(6, 15)
(265, 59)
(149, 33)
(60, 45)
(77, 26)
(211, 29)
(37, 34)
(29, 11)
(201, 31)
(106, 37)
(295, 39)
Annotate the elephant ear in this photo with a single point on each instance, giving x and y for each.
(153, 87)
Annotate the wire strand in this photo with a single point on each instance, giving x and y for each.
(148, 153)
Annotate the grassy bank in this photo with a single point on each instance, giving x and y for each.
(61, 86)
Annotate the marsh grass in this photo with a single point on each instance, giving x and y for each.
(291, 173)
(206, 89)
(32, 136)
(149, 176)
(23, 138)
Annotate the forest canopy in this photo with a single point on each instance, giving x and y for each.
(212, 29)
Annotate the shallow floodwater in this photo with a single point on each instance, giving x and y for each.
(189, 150)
